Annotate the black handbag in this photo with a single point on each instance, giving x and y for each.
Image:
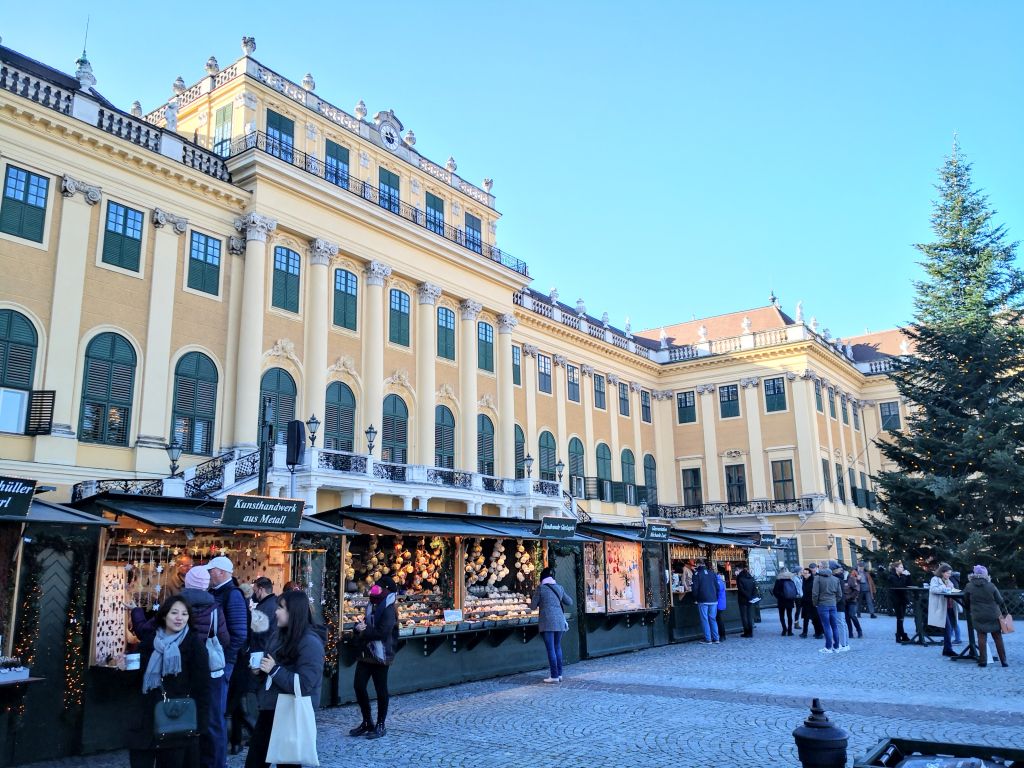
(174, 719)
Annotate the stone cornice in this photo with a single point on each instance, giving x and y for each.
(162, 218)
(69, 187)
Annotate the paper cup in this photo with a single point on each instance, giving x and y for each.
(132, 660)
(254, 659)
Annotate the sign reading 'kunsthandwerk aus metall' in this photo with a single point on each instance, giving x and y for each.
(16, 496)
(262, 512)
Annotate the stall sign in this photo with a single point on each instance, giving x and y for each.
(262, 512)
(767, 539)
(782, 542)
(452, 616)
(16, 496)
(656, 532)
(558, 527)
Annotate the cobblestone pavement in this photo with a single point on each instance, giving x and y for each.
(734, 704)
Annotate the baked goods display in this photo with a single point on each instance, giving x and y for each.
(418, 614)
(416, 564)
(494, 607)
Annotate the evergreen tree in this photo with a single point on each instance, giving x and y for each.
(957, 491)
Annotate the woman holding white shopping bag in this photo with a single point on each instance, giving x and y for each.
(290, 674)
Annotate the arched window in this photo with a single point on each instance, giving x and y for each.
(444, 438)
(394, 440)
(484, 445)
(628, 467)
(520, 440)
(548, 456)
(195, 403)
(108, 385)
(576, 468)
(340, 418)
(346, 294)
(18, 343)
(279, 386)
(604, 472)
(650, 479)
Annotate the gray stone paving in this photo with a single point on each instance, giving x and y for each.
(735, 704)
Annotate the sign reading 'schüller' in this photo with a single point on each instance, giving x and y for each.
(262, 512)
(16, 496)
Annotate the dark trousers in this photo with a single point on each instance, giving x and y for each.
(997, 638)
(853, 619)
(811, 615)
(786, 614)
(366, 671)
(242, 707)
(798, 609)
(214, 744)
(720, 620)
(900, 608)
(260, 742)
(747, 617)
(185, 756)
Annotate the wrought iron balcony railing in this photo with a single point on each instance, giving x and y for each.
(452, 478)
(731, 509)
(341, 461)
(382, 197)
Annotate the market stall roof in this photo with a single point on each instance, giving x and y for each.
(399, 521)
(169, 511)
(56, 514)
(715, 540)
(527, 529)
(629, 533)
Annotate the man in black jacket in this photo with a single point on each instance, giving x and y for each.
(899, 580)
(809, 611)
(263, 620)
(705, 594)
(746, 590)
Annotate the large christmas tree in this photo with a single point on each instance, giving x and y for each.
(956, 490)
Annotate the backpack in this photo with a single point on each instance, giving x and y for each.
(789, 589)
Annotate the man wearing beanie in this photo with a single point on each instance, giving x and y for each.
(229, 597)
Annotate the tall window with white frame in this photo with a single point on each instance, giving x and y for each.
(686, 407)
(843, 403)
(736, 483)
(346, 295)
(445, 333)
(729, 401)
(831, 402)
(108, 387)
(840, 484)
(286, 279)
(817, 397)
(484, 445)
(775, 394)
(517, 366)
(23, 210)
(692, 494)
(645, 406)
(474, 234)
(336, 164)
(623, 399)
(122, 240)
(18, 344)
(890, 413)
(826, 474)
(195, 403)
(339, 417)
(783, 487)
(398, 325)
(222, 130)
(544, 373)
(485, 346)
(280, 136)
(599, 391)
(204, 264)
(572, 383)
(855, 412)
(388, 190)
(435, 214)
(444, 438)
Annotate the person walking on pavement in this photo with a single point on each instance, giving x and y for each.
(940, 586)
(720, 608)
(844, 636)
(899, 580)
(810, 613)
(705, 594)
(746, 591)
(798, 603)
(784, 591)
(824, 595)
(236, 613)
(295, 651)
(987, 607)
(242, 701)
(867, 590)
(853, 594)
(376, 639)
(551, 623)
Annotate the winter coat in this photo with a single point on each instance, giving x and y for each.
(937, 602)
(867, 583)
(263, 623)
(308, 667)
(987, 604)
(385, 629)
(705, 586)
(799, 584)
(851, 590)
(549, 599)
(746, 588)
(193, 682)
(721, 591)
(807, 600)
(826, 590)
(784, 590)
(236, 611)
(200, 605)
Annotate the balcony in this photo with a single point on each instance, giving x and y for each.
(715, 510)
(259, 141)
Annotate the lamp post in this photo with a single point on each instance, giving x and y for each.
(559, 469)
(528, 465)
(174, 450)
(266, 431)
(643, 513)
(312, 424)
(371, 435)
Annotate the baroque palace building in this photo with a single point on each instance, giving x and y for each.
(250, 249)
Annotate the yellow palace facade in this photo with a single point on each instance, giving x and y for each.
(250, 253)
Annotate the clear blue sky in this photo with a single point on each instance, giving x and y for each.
(659, 160)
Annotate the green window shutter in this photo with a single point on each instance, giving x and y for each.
(32, 223)
(11, 214)
(517, 366)
(23, 210)
(107, 391)
(484, 445)
(339, 421)
(292, 293)
(520, 447)
(18, 342)
(112, 248)
(345, 299)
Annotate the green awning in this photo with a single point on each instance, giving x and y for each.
(627, 533)
(710, 539)
(174, 513)
(426, 523)
(54, 514)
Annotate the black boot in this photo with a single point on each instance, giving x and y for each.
(377, 732)
(363, 728)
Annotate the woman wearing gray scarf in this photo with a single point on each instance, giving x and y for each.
(176, 664)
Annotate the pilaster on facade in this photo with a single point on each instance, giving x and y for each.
(428, 293)
(321, 252)
(255, 227)
(507, 322)
(376, 273)
(470, 309)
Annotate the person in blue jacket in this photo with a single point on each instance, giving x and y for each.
(720, 613)
(705, 594)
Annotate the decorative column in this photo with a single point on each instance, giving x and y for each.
(713, 488)
(256, 228)
(318, 286)
(426, 352)
(66, 318)
(664, 444)
(373, 348)
(506, 461)
(831, 447)
(845, 457)
(236, 249)
(638, 445)
(153, 423)
(590, 448)
(466, 453)
(805, 417)
(562, 437)
(529, 361)
(612, 402)
(752, 409)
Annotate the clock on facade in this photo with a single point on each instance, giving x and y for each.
(389, 135)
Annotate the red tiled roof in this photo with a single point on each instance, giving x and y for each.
(877, 345)
(721, 326)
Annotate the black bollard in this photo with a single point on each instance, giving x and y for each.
(819, 742)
